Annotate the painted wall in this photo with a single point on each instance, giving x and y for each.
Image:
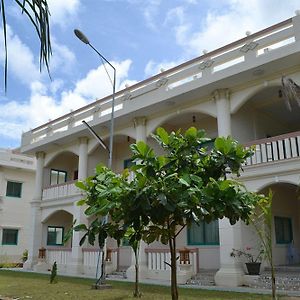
(15, 212)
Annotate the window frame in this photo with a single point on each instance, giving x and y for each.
(58, 171)
(14, 182)
(17, 237)
(290, 225)
(203, 224)
(62, 240)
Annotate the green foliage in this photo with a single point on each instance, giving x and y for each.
(53, 275)
(189, 182)
(24, 255)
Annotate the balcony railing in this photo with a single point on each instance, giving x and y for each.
(160, 259)
(260, 47)
(58, 191)
(276, 148)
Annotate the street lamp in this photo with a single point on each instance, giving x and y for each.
(85, 40)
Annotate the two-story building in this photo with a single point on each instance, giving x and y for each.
(17, 178)
(235, 90)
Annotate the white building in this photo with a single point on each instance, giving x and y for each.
(234, 90)
(17, 172)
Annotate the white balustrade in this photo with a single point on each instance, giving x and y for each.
(61, 256)
(158, 259)
(261, 47)
(59, 191)
(275, 148)
(92, 258)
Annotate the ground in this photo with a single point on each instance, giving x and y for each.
(19, 285)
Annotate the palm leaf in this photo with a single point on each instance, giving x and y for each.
(38, 13)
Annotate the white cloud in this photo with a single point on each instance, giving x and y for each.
(17, 117)
(21, 61)
(97, 84)
(63, 10)
(220, 26)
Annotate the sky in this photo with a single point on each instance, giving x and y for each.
(139, 37)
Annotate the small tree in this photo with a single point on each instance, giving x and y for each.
(261, 219)
(188, 183)
(110, 194)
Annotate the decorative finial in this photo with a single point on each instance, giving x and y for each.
(248, 33)
(204, 51)
(127, 85)
(297, 12)
(162, 70)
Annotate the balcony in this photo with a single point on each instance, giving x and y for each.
(61, 191)
(201, 76)
(281, 147)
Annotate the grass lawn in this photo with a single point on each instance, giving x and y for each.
(36, 286)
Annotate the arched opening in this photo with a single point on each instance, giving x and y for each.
(121, 154)
(186, 120)
(61, 169)
(55, 227)
(265, 115)
(286, 222)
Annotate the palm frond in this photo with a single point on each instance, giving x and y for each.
(38, 13)
(290, 91)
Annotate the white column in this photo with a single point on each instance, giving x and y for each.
(141, 135)
(223, 111)
(230, 272)
(76, 266)
(36, 224)
(296, 25)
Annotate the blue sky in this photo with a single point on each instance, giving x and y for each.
(138, 36)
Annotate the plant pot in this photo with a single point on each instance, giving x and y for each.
(253, 268)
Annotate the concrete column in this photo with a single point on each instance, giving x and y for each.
(36, 216)
(230, 272)
(296, 25)
(141, 135)
(223, 111)
(76, 266)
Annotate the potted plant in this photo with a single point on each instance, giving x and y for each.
(253, 261)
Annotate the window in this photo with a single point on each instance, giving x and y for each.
(10, 237)
(55, 236)
(14, 189)
(128, 163)
(204, 234)
(57, 177)
(283, 230)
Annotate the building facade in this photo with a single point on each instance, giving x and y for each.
(235, 90)
(17, 172)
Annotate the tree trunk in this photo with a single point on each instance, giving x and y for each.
(274, 296)
(136, 286)
(174, 290)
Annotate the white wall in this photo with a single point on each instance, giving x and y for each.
(15, 212)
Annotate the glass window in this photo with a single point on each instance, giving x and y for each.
(204, 234)
(14, 189)
(283, 230)
(9, 236)
(128, 163)
(58, 177)
(55, 236)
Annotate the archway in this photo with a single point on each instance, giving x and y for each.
(55, 226)
(121, 154)
(61, 168)
(286, 222)
(264, 115)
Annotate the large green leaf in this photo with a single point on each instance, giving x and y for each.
(164, 136)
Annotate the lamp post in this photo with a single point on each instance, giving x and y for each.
(85, 40)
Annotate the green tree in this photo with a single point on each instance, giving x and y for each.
(261, 219)
(37, 12)
(187, 183)
(110, 194)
